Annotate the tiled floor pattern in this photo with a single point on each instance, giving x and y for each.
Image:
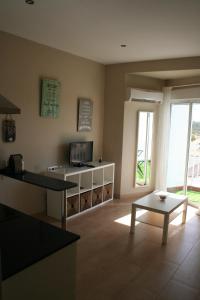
(112, 264)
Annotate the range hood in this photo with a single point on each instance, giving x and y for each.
(7, 107)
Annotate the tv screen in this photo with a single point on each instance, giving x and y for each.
(80, 152)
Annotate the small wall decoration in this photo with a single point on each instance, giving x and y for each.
(8, 130)
(85, 110)
(50, 98)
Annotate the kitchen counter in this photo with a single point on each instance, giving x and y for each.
(39, 180)
(38, 260)
(25, 240)
(47, 182)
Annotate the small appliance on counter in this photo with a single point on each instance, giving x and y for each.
(16, 164)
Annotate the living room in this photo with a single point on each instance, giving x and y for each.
(136, 268)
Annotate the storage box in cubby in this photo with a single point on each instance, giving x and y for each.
(85, 201)
(72, 205)
(107, 192)
(96, 196)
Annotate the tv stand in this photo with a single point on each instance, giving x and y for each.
(94, 186)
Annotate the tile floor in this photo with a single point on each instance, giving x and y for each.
(112, 264)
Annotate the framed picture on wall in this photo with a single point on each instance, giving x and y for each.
(85, 111)
(50, 94)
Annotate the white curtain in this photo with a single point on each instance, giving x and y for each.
(163, 140)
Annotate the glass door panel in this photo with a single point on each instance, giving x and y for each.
(178, 143)
(144, 143)
(193, 175)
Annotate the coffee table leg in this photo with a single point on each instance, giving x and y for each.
(184, 212)
(165, 229)
(133, 215)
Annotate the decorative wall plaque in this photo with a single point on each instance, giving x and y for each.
(50, 98)
(85, 110)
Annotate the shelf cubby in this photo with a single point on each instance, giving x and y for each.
(85, 182)
(97, 178)
(108, 175)
(74, 191)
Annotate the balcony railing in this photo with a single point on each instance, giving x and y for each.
(194, 171)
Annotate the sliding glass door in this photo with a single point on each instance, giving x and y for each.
(183, 174)
(193, 175)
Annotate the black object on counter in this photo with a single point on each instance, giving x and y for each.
(39, 180)
(16, 163)
(25, 240)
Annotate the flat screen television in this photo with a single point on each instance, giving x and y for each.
(80, 153)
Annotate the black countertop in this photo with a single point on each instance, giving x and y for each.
(25, 240)
(39, 180)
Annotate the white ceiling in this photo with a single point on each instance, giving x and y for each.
(94, 29)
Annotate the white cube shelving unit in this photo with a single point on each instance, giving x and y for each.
(95, 186)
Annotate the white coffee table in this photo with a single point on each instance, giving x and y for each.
(153, 203)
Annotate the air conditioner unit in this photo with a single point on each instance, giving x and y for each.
(146, 96)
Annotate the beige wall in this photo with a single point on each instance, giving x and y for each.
(42, 141)
(183, 81)
(143, 82)
(115, 95)
(113, 123)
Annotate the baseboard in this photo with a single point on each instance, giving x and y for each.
(116, 196)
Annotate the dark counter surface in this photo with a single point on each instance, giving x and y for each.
(25, 240)
(39, 180)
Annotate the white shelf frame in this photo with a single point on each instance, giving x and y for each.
(98, 176)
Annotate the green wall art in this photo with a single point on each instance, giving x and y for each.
(50, 98)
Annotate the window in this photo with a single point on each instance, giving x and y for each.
(143, 151)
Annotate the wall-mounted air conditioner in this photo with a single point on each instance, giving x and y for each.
(145, 95)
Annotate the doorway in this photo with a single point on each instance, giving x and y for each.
(183, 176)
